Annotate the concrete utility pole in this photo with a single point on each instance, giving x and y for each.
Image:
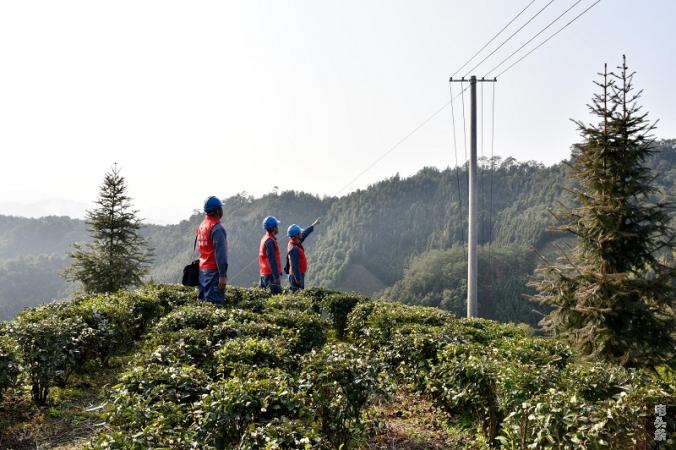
(472, 235)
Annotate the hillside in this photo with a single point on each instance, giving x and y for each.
(368, 241)
(318, 370)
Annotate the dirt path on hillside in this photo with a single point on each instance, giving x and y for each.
(409, 421)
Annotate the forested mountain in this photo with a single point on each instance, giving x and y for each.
(400, 237)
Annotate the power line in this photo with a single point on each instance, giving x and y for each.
(394, 147)
(492, 39)
(546, 40)
(533, 38)
(510, 37)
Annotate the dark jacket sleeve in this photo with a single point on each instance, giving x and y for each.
(220, 240)
(306, 232)
(272, 258)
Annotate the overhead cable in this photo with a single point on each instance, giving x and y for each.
(546, 40)
(533, 38)
(492, 39)
(509, 38)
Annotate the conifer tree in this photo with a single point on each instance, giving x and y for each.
(118, 256)
(613, 295)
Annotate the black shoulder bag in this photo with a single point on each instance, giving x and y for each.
(191, 272)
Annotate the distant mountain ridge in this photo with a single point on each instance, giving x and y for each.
(45, 208)
(365, 242)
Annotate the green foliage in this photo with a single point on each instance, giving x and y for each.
(201, 315)
(561, 419)
(152, 406)
(615, 286)
(297, 302)
(439, 278)
(339, 306)
(51, 349)
(117, 256)
(465, 383)
(283, 434)
(412, 351)
(241, 354)
(235, 406)
(377, 320)
(340, 381)
(9, 362)
(307, 330)
(225, 377)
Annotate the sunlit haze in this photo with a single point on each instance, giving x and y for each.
(215, 98)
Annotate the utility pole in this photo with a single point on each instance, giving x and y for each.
(473, 224)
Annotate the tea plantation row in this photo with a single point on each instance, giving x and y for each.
(298, 371)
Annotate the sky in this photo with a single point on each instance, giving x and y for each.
(193, 99)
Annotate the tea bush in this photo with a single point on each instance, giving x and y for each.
(251, 353)
(111, 321)
(559, 419)
(51, 349)
(308, 330)
(284, 434)
(252, 299)
(153, 406)
(376, 321)
(298, 302)
(236, 405)
(412, 351)
(170, 296)
(465, 383)
(196, 315)
(339, 381)
(339, 306)
(9, 362)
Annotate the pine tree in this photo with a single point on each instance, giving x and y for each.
(613, 296)
(118, 256)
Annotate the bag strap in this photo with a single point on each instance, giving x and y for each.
(194, 247)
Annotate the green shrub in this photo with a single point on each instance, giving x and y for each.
(534, 350)
(252, 299)
(236, 405)
(153, 406)
(339, 306)
(376, 322)
(594, 381)
(51, 349)
(200, 316)
(307, 330)
(298, 302)
(232, 328)
(339, 382)
(465, 383)
(111, 320)
(253, 352)
(9, 363)
(412, 351)
(357, 319)
(145, 308)
(283, 434)
(558, 419)
(484, 331)
(317, 293)
(170, 296)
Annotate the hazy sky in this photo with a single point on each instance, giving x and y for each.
(201, 98)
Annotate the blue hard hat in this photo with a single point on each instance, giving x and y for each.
(294, 230)
(270, 222)
(211, 204)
